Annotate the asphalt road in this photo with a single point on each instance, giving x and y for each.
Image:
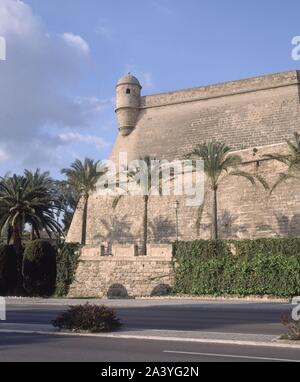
(38, 348)
(225, 317)
(253, 318)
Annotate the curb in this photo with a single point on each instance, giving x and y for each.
(158, 338)
(152, 300)
(252, 298)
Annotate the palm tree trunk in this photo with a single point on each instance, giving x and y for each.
(84, 220)
(9, 235)
(145, 226)
(17, 241)
(32, 236)
(214, 214)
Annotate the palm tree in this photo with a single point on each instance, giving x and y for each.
(150, 171)
(39, 178)
(42, 180)
(68, 199)
(83, 178)
(218, 165)
(291, 160)
(26, 200)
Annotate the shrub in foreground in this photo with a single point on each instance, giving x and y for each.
(88, 317)
(39, 268)
(293, 328)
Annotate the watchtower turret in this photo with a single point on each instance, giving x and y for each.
(128, 94)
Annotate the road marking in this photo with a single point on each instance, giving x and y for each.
(231, 356)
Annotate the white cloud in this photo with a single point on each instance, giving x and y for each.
(37, 80)
(16, 17)
(3, 155)
(77, 137)
(94, 104)
(76, 41)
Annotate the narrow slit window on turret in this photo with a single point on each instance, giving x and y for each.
(127, 91)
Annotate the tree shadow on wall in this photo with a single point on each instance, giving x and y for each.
(117, 230)
(287, 226)
(162, 230)
(227, 226)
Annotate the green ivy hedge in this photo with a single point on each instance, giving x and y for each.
(67, 260)
(247, 267)
(287, 247)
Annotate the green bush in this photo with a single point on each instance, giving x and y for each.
(39, 268)
(8, 270)
(287, 247)
(258, 267)
(67, 261)
(90, 318)
(292, 326)
(201, 248)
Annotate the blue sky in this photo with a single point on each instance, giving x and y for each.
(67, 75)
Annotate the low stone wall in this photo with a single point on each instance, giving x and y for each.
(123, 274)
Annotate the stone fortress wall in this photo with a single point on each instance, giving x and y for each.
(258, 113)
(122, 274)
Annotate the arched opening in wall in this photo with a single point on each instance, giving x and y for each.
(127, 91)
(161, 290)
(117, 291)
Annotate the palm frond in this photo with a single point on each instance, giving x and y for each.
(279, 157)
(217, 159)
(252, 178)
(28, 199)
(283, 177)
(116, 201)
(291, 160)
(262, 181)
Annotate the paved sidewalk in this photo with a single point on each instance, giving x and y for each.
(141, 302)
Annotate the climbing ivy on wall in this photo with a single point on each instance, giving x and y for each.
(66, 265)
(247, 267)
